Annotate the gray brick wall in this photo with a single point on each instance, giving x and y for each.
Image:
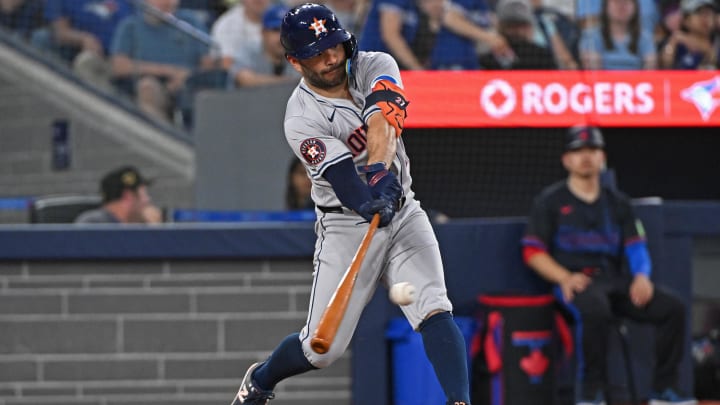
(152, 332)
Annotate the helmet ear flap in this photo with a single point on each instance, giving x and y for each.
(351, 50)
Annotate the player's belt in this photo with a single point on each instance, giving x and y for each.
(339, 209)
(333, 210)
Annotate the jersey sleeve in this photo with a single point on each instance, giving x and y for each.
(314, 146)
(378, 67)
(634, 240)
(540, 229)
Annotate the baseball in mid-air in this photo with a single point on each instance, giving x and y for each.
(402, 293)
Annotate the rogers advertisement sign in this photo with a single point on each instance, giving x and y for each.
(444, 99)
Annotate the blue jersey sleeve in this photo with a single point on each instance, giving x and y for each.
(634, 240)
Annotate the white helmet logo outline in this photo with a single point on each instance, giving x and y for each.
(318, 26)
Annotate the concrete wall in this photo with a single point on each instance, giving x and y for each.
(151, 332)
(242, 156)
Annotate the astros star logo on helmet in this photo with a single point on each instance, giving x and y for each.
(318, 26)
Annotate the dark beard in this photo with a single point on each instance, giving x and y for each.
(317, 81)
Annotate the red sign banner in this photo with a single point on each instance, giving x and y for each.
(469, 99)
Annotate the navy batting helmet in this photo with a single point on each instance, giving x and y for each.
(309, 29)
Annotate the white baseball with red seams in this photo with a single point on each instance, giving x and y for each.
(402, 293)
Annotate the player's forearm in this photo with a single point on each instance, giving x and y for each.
(547, 267)
(124, 66)
(454, 21)
(381, 140)
(403, 54)
(65, 34)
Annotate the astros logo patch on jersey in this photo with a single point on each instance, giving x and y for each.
(313, 150)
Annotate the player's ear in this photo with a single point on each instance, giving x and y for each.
(295, 62)
(566, 161)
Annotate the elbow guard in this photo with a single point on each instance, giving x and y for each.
(390, 99)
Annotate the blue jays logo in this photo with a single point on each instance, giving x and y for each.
(705, 96)
(535, 364)
(313, 150)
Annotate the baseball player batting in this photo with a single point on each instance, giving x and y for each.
(344, 121)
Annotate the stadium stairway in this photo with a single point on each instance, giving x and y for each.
(152, 332)
(104, 132)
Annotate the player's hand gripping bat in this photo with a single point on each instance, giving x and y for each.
(335, 310)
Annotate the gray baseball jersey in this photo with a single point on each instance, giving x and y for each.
(322, 131)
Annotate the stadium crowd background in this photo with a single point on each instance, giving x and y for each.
(217, 43)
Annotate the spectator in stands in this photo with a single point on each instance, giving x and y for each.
(346, 12)
(204, 11)
(125, 199)
(516, 23)
(583, 236)
(152, 60)
(588, 14)
(564, 7)
(555, 32)
(408, 30)
(695, 45)
(297, 194)
(618, 43)
(21, 16)
(460, 52)
(238, 32)
(82, 31)
(670, 20)
(270, 67)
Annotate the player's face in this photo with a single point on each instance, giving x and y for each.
(584, 162)
(325, 71)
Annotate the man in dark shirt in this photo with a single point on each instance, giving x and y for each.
(584, 236)
(125, 200)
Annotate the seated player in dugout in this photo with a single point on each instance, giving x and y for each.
(583, 236)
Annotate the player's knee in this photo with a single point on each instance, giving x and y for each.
(322, 360)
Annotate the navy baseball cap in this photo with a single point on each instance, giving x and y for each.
(119, 180)
(273, 17)
(582, 136)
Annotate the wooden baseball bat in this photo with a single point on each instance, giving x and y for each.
(335, 310)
